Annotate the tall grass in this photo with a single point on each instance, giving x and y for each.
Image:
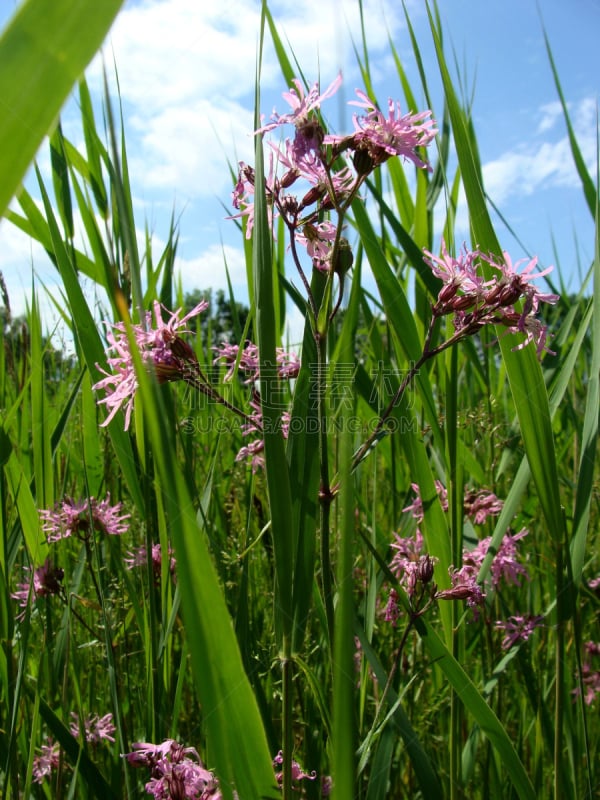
(271, 633)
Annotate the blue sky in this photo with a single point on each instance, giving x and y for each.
(186, 72)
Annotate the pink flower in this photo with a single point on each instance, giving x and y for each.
(457, 274)
(590, 678)
(177, 772)
(302, 104)
(70, 518)
(288, 364)
(392, 609)
(407, 552)
(476, 302)
(139, 558)
(95, 729)
(464, 587)
(381, 137)
(481, 505)
(518, 629)
(298, 773)
(47, 580)
(505, 565)
(318, 240)
(161, 349)
(46, 762)
(416, 507)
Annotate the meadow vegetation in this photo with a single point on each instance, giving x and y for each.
(362, 565)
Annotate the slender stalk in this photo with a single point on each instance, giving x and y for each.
(325, 493)
(287, 667)
(559, 674)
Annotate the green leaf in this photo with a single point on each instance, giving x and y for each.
(475, 704)
(43, 52)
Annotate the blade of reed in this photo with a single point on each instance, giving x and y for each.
(235, 734)
(90, 343)
(343, 742)
(589, 190)
(589, 440)
(523, 369)
(77, 756)
(476, 705)
(43, 51)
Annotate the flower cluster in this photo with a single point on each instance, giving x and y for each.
(93, 729)
(590, 675)
(414, 569)
(298, 773)
(139, 558)
(518, 628)
(71, 518)
(176, 771)
(314, 158)
(254, 427)
(246, 361)
(161, 349)
(477, 505)
(476, 301)
(40, 582)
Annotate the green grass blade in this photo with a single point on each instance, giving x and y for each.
(589, 190)
(276, 465)
(235, 734)
(585, 478)
(43, 51)
(344, 678)
(90, 343)
(524, 372)
(475, 704)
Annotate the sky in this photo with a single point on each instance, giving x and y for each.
(186, 75)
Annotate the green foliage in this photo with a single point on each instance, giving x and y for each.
(270, 632)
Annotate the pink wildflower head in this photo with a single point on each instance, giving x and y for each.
(298, 773)
(93, 729)
(70, 518)
(590, 674)
(392, 608)
(377, 138)
(476, 301)
(47, 580)
(139, 558)
(505, 565)
(318, 240)
(176, 771)
(416, 507)
(518, 628)
(464, 587)
(46, 762)
(302, 105)
(161, 349)
(481, 505)
(594, 584)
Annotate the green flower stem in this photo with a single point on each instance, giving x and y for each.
(325, 494)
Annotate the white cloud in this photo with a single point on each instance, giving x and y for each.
(187, 70)
(208, 270)
(542, 164)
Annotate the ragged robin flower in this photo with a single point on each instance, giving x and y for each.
(47, 580)
(162, 350)
(476, 300)
(70, 518)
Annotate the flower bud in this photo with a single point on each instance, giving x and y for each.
(425, 569)
(363, 161)
(344, 259)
